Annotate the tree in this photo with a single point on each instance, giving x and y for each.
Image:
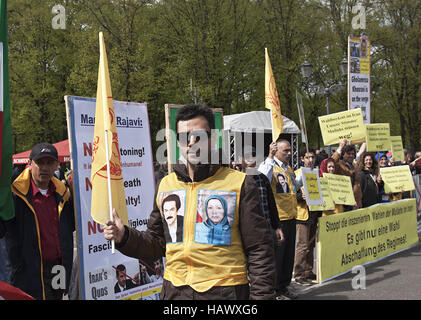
(39, 61)
(160, 51)
(212, 44)
(397, 35)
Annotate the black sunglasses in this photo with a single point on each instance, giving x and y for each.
(185, 137)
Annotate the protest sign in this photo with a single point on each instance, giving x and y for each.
(359, 75)
(342, 125)
(362, 236)
(378, 137)
(328, 203)
(341, 189)
(311, 186)
(98, 274)
(397, 148)
(397, 179)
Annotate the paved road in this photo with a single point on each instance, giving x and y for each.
(397, 277)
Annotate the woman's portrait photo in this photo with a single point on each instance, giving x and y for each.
(213, 225)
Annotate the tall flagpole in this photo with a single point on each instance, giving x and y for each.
(107, 155)
(110, 198)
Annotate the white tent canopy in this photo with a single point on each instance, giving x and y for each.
(235, 125)
(256, 120)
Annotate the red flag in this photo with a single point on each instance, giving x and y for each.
(8, 292)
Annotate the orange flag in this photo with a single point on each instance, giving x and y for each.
(272, 100)
(106, 172)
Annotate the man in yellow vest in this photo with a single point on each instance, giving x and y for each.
(223, 224)
(277, 163)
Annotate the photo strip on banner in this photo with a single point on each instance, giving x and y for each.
(359, 76)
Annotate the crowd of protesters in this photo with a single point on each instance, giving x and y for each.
(256, 234)
(348, 159)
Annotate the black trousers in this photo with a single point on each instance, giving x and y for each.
(51, 293)
(170, 292)
(284, 256)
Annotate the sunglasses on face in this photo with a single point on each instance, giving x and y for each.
(185, 137)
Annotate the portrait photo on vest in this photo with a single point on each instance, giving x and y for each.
(215, 217)
(172, 207)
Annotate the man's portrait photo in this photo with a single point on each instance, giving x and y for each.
(172, 213)
(281, 183)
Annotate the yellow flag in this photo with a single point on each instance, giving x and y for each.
(105, 126)
(272, 100)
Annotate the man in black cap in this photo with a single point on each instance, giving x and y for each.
(40, 236)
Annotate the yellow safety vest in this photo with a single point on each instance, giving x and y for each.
(302, 208)
(286, 203)
(208, 255)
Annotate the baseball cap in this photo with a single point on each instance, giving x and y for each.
(42, 150)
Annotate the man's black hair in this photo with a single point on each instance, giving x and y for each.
(348, 148)
(120, 267)
(172, 197)
(303, 151)
(192, 111)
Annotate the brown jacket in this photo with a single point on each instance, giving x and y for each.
(255, 235)
(343, 169)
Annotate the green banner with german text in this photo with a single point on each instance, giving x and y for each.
(362, 236)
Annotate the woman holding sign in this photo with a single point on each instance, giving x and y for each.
(344, 158)
(331, 168)
(370, 181)
(383, 163)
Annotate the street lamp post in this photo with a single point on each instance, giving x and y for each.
(327, 95)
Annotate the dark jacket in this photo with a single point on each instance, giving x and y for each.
(255, 235)
(369, 189)
(129, 285)
(267, 200)
(23, 239)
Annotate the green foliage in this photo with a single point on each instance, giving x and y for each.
(166, 51)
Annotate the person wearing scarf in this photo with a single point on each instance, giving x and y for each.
(212, 231)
